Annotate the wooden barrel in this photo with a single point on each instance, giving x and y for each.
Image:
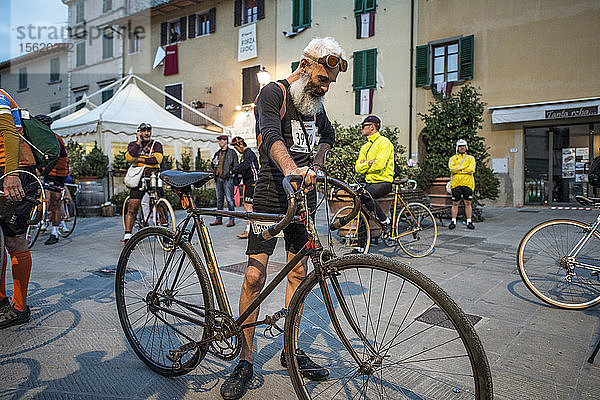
(90, 198)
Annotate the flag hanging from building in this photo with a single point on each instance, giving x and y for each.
(171, 65)
(160, 56)
(366, 101)
(367, 26)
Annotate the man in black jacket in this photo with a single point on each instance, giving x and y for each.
(223, 162)
(248, 168)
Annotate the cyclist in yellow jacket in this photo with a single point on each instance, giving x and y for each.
(462, 167)
(376, 161)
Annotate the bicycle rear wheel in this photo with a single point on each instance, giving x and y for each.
(345, 240)
(418, 230)
(548, 272)
(155, 333)
(421, 344)
(69, 218)
(163, 214)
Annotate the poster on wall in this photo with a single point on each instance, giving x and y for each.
(568, 163)
(247, 47)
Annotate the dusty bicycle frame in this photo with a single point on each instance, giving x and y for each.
(312, 248)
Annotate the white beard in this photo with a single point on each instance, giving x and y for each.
(305, 103)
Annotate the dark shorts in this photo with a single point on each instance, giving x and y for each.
(140, 192)
(248, 194)
(16, 225)
(462, 192)
(58, 181)
(294, 235)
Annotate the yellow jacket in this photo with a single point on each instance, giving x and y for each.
(462, 167)
(380, 148)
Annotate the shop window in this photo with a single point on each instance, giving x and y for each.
(364, 14)
(107, 44)
(300, 14)
(202, 24)
(248, 11)
(80, 54)
(106, 5)
(54, 70)
(23, 78)
(173, 31)
(364, 80)
(452, 61)
(79, 12)
(250, 85)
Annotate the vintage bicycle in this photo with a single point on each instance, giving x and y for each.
(153, 206)
(559, 261)
(381, 328)
(68, 212)
(413, 225)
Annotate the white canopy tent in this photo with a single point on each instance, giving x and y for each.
(113, 124)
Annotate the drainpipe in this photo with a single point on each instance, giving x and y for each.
(410, 86)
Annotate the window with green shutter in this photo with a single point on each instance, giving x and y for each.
(365, 69)
(300, 14)
(451, 61)
(295, 65)
(107, 94)
(466, 58)
(364, 6)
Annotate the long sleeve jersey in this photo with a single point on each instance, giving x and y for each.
(462, 167)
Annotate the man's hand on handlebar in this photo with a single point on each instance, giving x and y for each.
(309, 175)
(12, 188)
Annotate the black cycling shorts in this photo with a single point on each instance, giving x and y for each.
(248, 194)
(17, 224)
(462, 192)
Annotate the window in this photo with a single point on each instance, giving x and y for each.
(248, 11)
(23, 78)
(250, 85)
(364, 80)
(80, 54)
(364, 13)
(300, 14)
(107, 43)
(364, 6)
(452, 61)
(79, 12)
(171, 105)
(106, 5)
(173, 31)
(77, 98)
(55, 70)
(202, 24)
(107, 94)
(54, 107)
(134, 41)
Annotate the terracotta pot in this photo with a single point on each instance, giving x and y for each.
(437, 192)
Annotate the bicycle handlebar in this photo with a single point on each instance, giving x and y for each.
(292, 204)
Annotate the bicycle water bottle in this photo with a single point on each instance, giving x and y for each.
(153, 180)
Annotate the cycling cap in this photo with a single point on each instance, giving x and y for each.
(144, 127)
(44, 119)
(238, 140)
(461, 142)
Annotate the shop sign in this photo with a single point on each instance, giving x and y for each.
(247, 47)
(572, 112)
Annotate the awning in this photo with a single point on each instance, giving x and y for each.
(561, 109)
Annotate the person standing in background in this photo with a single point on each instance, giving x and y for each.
(224, 161)
(248, 168)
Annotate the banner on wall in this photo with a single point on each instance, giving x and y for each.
(247, 47)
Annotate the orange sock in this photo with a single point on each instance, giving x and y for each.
(2, 279)
(21, 269)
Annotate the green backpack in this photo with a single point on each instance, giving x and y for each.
(43, 142)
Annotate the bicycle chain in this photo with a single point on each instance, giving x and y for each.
(227, 342)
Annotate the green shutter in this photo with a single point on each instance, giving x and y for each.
(357, 68)
(465, 63)
(357, 102)
(358, 26)
(370, 69)
(295, 14)
(422, 68)
(370, 5)
(295, 65)
(306, 13)
(359, 7)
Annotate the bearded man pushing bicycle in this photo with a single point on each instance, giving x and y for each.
(288, 113)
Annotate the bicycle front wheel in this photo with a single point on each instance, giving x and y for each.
(157, 317)
(548, 271)
(416, 230)
(69, 218)
(345, 240)
(414, 342)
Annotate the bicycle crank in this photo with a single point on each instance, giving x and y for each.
(226, 342)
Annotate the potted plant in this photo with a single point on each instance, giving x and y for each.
(120, 164)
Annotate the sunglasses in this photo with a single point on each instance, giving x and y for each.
(331, 61)
(367, 124)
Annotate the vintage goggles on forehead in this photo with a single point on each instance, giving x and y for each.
(144, 127)
(331, 61)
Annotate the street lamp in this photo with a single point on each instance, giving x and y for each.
(263, 76)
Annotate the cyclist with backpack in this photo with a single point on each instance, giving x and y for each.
(15, 154)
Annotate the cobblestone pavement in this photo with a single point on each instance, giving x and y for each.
(74, 347)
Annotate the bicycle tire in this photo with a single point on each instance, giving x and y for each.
(124, 211)
(136, 273)
(542, 264)
(440, 358)
(168, 211)
(69, 221)
(33, 231)
(345, 240)
(2, 248)
(421, 242)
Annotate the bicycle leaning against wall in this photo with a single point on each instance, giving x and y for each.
(381, 328)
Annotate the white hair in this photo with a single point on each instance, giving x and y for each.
(319, 47)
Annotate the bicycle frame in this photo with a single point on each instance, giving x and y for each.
(592, 229)
(313, 248)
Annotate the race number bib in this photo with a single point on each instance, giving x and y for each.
(259, 227)
(298, 136)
